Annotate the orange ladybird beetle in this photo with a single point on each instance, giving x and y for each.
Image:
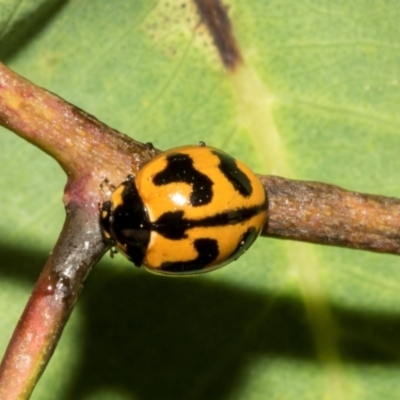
(189, 210)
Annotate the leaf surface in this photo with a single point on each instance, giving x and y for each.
(315, 97)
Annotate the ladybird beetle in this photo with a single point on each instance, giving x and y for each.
(189, 210)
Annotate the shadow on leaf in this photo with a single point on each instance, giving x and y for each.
(24, 30)
(162, 338)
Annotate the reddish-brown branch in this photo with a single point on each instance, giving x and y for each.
(72, 137)
(327, 214)
(80, 245)
(89, 152)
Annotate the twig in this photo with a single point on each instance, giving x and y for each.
(90, 152)
(80, 245)
(327, 214)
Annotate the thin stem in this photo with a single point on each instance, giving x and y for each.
(50, 305)
(72, 137)
(327, 214)
(90, 152)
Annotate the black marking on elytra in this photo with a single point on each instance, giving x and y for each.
(233, 174)
(172, 225)
(207, 252)
(180, 169)
(130, 224)
(244, 243)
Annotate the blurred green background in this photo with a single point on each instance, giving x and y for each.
(287, 320)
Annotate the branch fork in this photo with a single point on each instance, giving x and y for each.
(95, 158)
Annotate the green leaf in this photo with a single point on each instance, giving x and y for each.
(316, 98)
